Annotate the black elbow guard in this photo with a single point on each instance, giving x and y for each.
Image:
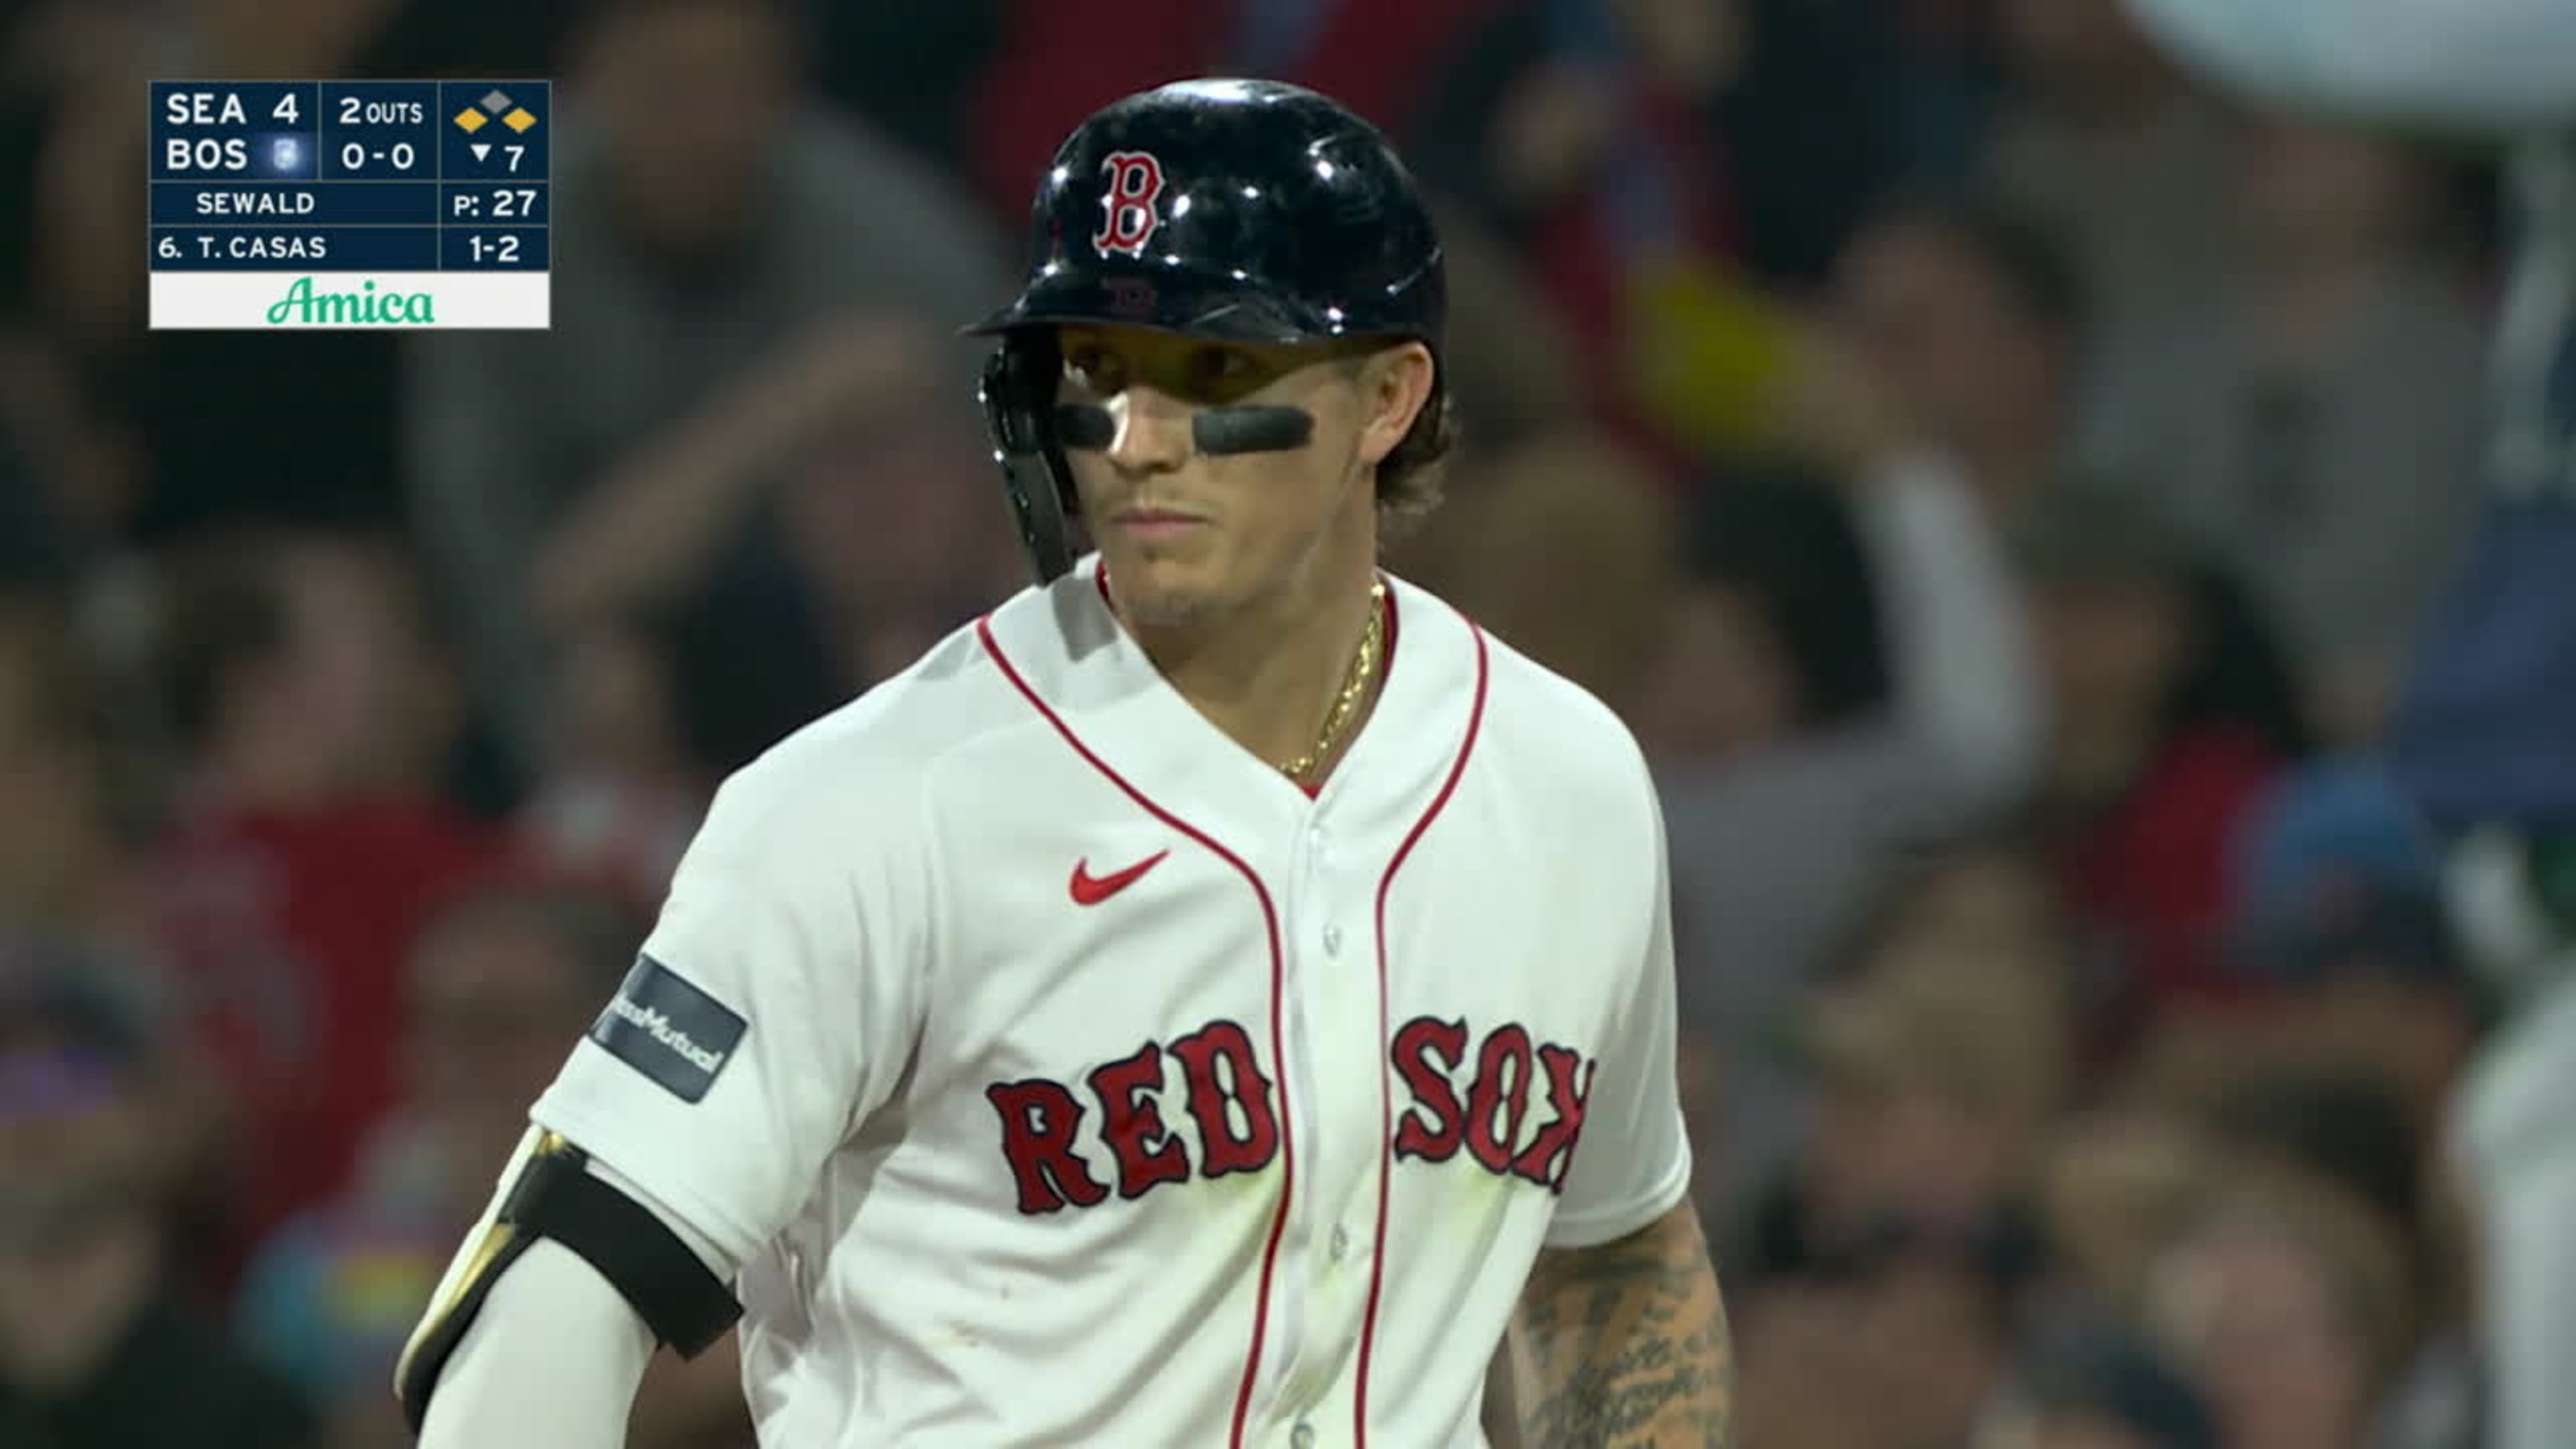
(685, 1304)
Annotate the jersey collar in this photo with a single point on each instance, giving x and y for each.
(1065, 650)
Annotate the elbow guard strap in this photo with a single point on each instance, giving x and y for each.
(684, 1303)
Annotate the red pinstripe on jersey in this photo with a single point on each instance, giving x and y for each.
(1270, 926)
(1386, 1069)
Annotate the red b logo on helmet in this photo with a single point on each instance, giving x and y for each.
(1127, 216)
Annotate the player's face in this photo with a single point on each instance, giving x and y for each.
(1186, 535)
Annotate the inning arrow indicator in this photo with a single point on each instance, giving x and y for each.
(481, 149)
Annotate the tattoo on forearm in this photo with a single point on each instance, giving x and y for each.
(1628, 1347)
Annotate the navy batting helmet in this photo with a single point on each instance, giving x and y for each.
(1242, 211)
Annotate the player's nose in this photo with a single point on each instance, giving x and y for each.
(1152, 431)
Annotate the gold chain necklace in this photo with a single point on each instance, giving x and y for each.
(1355, 686)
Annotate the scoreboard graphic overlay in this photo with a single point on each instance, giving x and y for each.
(351, 204)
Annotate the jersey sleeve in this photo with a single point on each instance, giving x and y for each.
(1632, 1163)
(770, 1012)
(2496, 66)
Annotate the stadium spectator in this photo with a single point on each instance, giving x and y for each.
(498, 985)
(1779, 632)
(67, 474)
(1056, 63)
(2171, 711)
(897, 539)
(2097, 1388)
(2116, 1188)
(2346, 1125)
(1898, 1343)
(1975, 317)
(1657, 165)
(630, 791)
(2286, 1301)
(1940, 1084)
(2099, 139)
(909, 71)
(1846, 681)
(1950, 77)
(1564, 548)
(1512, 368)
(67, 861)
(744, 280)
(1985, 898)
(98, 1349)
(2339, 900)
(2313, 407)
(308, 838)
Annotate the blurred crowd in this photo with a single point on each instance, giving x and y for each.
(1997, 479)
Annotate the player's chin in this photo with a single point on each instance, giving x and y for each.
(1165, 587)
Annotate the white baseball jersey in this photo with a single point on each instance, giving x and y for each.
(1062, 1074)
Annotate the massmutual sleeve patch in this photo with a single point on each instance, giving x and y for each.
(669, 1030)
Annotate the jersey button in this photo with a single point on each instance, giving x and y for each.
(1303, 1436)
(1332, 940)
(1341, 1242)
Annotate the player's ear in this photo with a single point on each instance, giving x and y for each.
(1394, 386)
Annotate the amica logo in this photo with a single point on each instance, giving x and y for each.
(364, 307)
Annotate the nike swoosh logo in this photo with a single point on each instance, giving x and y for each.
(1091, 890)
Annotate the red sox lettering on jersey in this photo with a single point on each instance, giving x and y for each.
(1227, 1098)
(1429, 1053)
(1060, 1073)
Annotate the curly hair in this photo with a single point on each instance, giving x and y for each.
(1409, 478)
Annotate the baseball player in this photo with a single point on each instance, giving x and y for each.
(1206, 1001)
(2481, 732)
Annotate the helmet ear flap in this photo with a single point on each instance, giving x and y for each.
(1018, 391)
